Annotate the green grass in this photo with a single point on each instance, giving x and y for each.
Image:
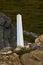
(31, 10)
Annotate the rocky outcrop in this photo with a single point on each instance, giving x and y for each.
(12, 59)
(7, 32)
(27, 55)
(39, 39)
(32, 58)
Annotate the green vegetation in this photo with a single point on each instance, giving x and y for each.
(31, 10)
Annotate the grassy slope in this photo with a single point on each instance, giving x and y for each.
(32, 11)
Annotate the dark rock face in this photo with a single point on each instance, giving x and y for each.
(13, 37)
(7, 32)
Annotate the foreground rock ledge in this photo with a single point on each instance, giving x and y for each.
(12, 59)
(26, 58)
(32, 58)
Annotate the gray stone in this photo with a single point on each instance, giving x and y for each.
(4, 20)
(7, 32)
(13, 37)
(1, 38)
(1, 21)
(8, 21)
(6, 37)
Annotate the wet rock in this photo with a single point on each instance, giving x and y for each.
(32, 58)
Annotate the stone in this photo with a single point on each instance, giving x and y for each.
(6, 50)
(3, 30)
(32, 58)
(13, 38)
(7, 32)
(27, 47)
(4, 20)
(31, 46)
(39, 39)
(1, 38)
(6, 35)
(12, 59)
(19, 48)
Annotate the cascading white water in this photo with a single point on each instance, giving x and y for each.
(20, 41)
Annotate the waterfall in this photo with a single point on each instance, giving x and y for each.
(20, 41)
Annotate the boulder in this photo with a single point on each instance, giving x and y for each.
(12, 59)
(1, 38)
(4, 32)
(6, 51)
(4, 20)
(13, 38)
(7, 32)
(39, 39)
(32, 58)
